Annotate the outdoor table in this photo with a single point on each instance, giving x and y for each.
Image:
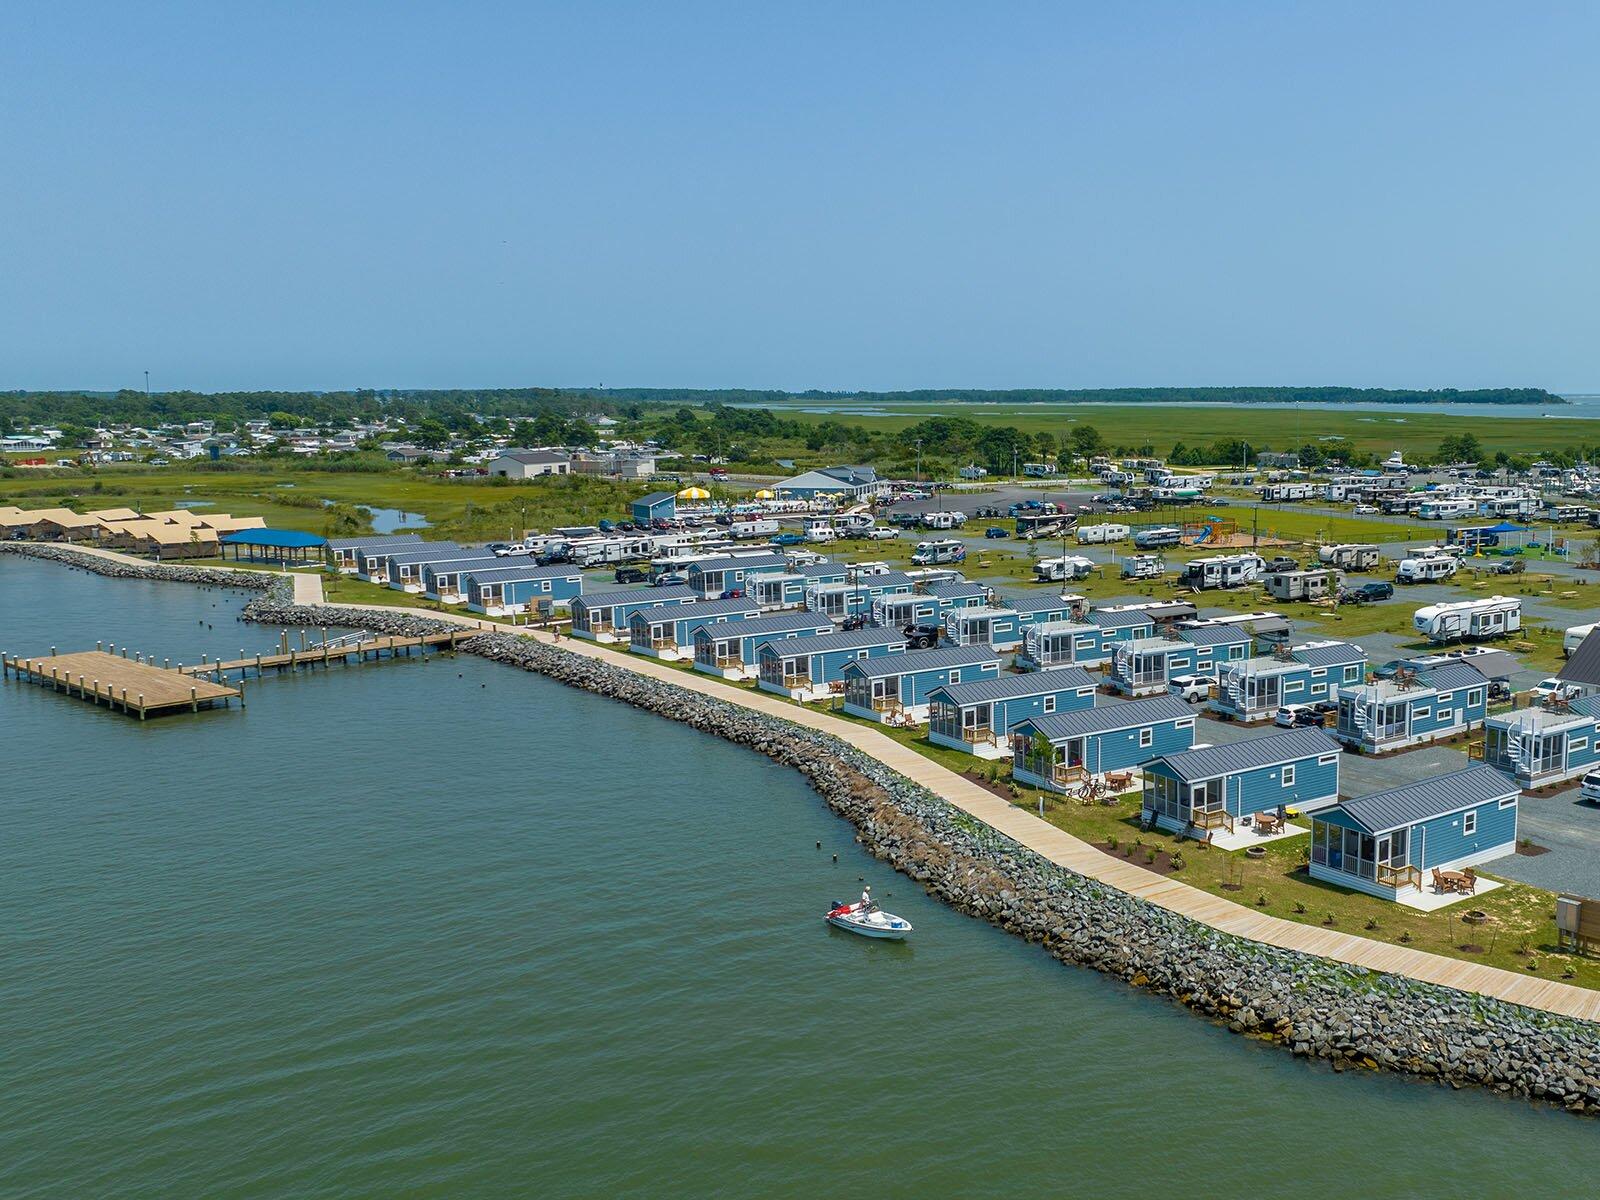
(1454, 880)
(1267, 822)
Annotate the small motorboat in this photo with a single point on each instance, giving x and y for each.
(868, 920)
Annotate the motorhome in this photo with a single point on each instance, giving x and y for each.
(1095, 535)
(1469, 620)
(1143, 566)
(1432, 569)
(1153, 539)
(1223, 571)
(1446, 508)
(1056, 570)
(929, 554)
(944, 520)
(1351, 556)
(853, 524)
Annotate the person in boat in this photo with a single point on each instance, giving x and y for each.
(866, 899)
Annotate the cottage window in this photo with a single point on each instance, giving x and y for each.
(1507, 801)
(1147, 738)
(1577, 743)
(955, 676)
(1288, 777)
(1474, 697)
(1328, 759)
(1049, 704)
(1469, 824)
(1294, 685)
(1420, 712)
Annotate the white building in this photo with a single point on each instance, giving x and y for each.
(529, 464)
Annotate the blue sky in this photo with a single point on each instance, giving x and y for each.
(821, 195)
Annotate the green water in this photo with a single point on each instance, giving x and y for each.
(452, 930)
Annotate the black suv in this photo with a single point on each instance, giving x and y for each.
(629, 575)
(1367, 592)
(921, 637)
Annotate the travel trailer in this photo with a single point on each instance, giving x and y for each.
(1223, 571)
(1469, 620)
(1056, 570)
(1446, 508)
(944, 520)
(1090, 535)
(1573, 638)
(1432, 569)
(1143, 566)
(1352, 556)
(1155, 539)
(1315, 584)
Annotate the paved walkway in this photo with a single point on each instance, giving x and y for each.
(1076, 855)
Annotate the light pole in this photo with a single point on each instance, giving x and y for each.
(919, 460)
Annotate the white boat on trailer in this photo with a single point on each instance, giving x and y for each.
(867, 919)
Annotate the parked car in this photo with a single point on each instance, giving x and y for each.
(1366, 510)
(1191, 687)
(1291, 716)
(1553, 688)
(880, 533)
(669, 578)
(1589, 789)
(1507, 566)
(788, 539)
(1367, 593)
(994, 531)
(1281, 562)
(629, 575)
(854, 621)
(921, 637)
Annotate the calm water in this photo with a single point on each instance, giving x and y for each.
(451, 930)
(1582, 406)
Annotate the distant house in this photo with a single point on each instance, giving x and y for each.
(656, 506)
(851, 483)
(973, 471)
(1275, 460)
(1390, 843)
(362, 556)
(530, 464)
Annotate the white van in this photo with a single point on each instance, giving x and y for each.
(1425, 570)
(1100, 534)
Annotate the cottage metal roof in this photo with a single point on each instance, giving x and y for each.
(655, 498)
(1014, 687)
(937, 659)
(519, 574)
(613, 596)
(1329, 654)
(1035, 602)
(846, 639)
(821, 570)
(956, 589)
(1582, 711)
(1119, 620)
(1584, 665)
(434, 552)
(1250, 754)
(1150, 645)
(734, 562)
(376, 542)
(759, 627)
(1391, 809)
(707, 608)
(980, 611)
(1450, 676)
(1215, 635)
(1108, 717)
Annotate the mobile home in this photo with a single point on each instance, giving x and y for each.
(1390, 843)
(912, 608)
(1123, 623)
(729, 649)
(899, 684)
(1145, 666)
(606, 616)
(1000, 628)
(1059, 752)
(1544, 745)
(808, 669)
(668, 633)
(1220, 788)
(352, 556)
(503, 591)
(784, 590)
(405, 565)
(958, 593)
(1412, 708)
(1469, 620)
(1252, 689)
(979, 717)
(841, 600)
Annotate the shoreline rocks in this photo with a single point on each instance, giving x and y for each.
(1311, 1006)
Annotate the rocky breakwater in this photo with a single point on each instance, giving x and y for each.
(1313, 1007)
(120, 567)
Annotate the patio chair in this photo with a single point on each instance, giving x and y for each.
(1471, 885)
(1439, 884)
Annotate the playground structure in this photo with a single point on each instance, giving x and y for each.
(1225, 534)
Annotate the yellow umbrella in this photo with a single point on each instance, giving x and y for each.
(694, 493)
(766, 494)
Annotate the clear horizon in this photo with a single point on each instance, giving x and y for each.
(836, 198)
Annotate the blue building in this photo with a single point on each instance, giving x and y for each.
(405, 566)
(1059, 752)
(729, 649)
(1041, 608)
(807, 669)
(510, 590)
(1411, 708)
(1145, 666)
(822, 572)
(898, 684)
(1000, 628)
(980, 717)
(1220, 787)
(1389, 844)
(958, 593)
(1545, 745)
(908, 608)
(669, 632)
(360, 555)
(783, 590)
(1252, 689)
(1227, 643)
(1123, 624)
(1054, 644)
(657, 506)
(446, 581)
(840, 483)
(841, 600)
(714, 578)
(605, 616)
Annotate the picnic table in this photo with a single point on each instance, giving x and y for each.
(1458, 881)
(1267, 822)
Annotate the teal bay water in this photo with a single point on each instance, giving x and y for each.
(452, 930)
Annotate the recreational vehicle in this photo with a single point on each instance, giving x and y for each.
(1277, 493)
(1446, 508)
(759, 527)
(1350, 556)
(944, 520)
(1155, 539)
(1093, 535)
(1573, 637)
(1432, 569)
(1057, 570)
(1303, 585)
(949, 550)
(1223, 571)
(1469, 620)
(1143, 566)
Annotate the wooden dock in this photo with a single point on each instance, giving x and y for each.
(135, 687)
(326, 651)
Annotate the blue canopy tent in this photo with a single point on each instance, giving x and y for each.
(282, 546)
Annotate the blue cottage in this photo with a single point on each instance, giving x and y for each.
(1393, 843)
(1054, 644)
(605, 616)
(731, 575)
(1545, 745)
(1000, 628)
(1123, 624)
(841, 600)
(784, 590)
(979, 717)
(1219, 788)
(1059, 753)
(402, 567)
(668, 633)
(509, 591)
(446, 581)
(1414, 707)
(958, 593)
(360, 556)
(1252, 689)
(908, 608)
(896, 687)
(807, 669)
(729, 649)
(657, 506)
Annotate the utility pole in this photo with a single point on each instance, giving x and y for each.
(147, 387)
(919, 460)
